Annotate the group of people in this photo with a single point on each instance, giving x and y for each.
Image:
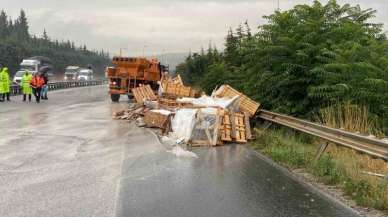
(36, 84)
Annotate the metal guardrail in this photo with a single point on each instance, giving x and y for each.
(365, 144)
(17, 89)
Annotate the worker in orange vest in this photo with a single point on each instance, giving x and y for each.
(37, 83)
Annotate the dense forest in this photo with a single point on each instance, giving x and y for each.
(302, 60)
(17, 43)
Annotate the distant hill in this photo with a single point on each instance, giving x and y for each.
(172, 59)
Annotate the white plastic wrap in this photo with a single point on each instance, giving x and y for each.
(183, 123)
(208, 101)
(209, 111)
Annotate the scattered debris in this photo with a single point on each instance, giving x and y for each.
(140, 122)
(183, 114)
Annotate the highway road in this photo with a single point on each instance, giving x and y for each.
(67, 157)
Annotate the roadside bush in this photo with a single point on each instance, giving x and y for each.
(326, 169)
(358, 190)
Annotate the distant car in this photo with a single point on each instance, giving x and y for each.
(17, 78)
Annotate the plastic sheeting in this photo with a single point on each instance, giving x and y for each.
(207, 101)
(204, 126)
(183, 123)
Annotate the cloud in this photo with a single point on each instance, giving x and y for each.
(161, 26)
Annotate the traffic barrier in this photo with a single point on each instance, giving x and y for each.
(365, 144)
(17, 89)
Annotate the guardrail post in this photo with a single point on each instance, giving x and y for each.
(320, 151)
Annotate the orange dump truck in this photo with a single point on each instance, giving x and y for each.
(129, 73)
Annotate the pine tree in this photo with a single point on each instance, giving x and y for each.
(231, 48)
(248, 30)
(21, 26)
(45, 36)
(240, 33)
(3, 24)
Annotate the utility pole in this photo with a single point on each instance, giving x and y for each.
(278, 5)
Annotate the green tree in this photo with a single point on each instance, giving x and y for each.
(303, 59)
(16, 44)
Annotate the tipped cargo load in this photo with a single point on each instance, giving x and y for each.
(186, 115)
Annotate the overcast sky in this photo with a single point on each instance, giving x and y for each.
(161, 26)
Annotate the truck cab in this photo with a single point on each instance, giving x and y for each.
(26, 65)
(85, 75)
(71, 73)
(131, 72)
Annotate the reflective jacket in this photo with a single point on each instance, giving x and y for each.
(26, 80)
(37, 81)
(5, 82)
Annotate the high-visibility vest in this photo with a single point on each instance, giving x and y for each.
(37, 82)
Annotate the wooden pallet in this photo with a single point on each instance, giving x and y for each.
(143, 93)
(240, 128)
(168, 102)
(248, 132)
(235, 127)
(177, 80)
(246, 104)
(177, 90)
(226, 128)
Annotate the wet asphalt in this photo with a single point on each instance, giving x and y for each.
(67, 157)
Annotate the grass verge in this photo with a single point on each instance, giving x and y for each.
(338, 166)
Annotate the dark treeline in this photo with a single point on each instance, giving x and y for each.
(302, 60)
(16, 43)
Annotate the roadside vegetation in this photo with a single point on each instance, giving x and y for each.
(338, 166)
(16, 43)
